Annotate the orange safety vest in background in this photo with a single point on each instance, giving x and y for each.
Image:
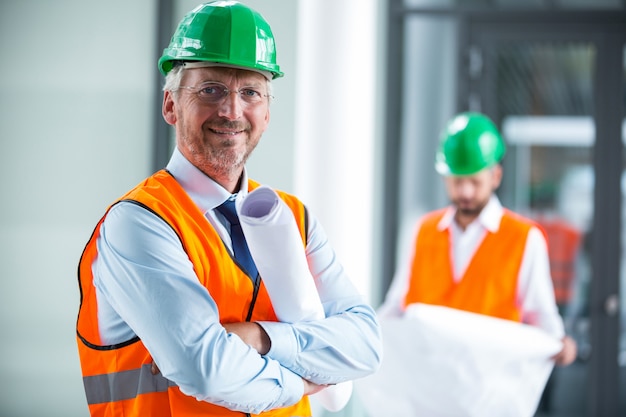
(563, 246)
(489, 285)
(117, 379)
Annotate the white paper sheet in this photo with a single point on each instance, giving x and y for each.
(441, 362)
(276, 247)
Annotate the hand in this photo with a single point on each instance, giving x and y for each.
(154, 368)
(311, 388)
(568, 353)
(252, 334)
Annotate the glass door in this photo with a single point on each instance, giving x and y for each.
(559, 101)
(545, 113)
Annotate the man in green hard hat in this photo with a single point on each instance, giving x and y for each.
(475, 255)
(175, 319)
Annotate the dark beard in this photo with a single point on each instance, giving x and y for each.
(468, 209)
(470, 212)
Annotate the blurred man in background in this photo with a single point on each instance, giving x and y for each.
(476, 255)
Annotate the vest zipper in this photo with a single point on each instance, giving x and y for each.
(257, 285)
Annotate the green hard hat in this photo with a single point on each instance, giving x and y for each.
(223, 32)
(470, 142)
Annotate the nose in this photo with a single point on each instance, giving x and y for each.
(465, 189)
(231, 107)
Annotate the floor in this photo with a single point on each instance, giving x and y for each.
(569, 393)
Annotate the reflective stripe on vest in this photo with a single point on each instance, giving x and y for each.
(124, 385)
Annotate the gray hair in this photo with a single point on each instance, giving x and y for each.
(175, 76)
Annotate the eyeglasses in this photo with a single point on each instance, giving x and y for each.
(213, 93)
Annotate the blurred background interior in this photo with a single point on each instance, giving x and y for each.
(354, 129)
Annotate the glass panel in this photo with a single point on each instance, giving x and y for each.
(622, 343)
(516, 5)
(544, 96)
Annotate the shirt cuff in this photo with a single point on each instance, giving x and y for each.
(284, 346)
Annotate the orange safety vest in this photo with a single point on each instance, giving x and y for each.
(563, 245)
(489, 285)
(117, 379)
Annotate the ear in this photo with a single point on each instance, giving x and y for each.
(267, 116)
(169, 107)
(497, 176)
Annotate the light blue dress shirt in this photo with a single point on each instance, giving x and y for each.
(146, 287)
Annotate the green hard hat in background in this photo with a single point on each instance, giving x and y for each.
(469, 143)
(224, 32)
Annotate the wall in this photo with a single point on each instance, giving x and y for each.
(74, 126)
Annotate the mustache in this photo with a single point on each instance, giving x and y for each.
(229, 125)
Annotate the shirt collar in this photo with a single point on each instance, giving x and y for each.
(489, 217)
(206, 193)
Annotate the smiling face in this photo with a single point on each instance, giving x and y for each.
(218, 137)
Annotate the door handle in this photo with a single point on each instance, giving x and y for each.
(611, 305)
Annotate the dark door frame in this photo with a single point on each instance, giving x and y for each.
(164, 25)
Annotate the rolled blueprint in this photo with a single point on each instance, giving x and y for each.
(276, 247)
